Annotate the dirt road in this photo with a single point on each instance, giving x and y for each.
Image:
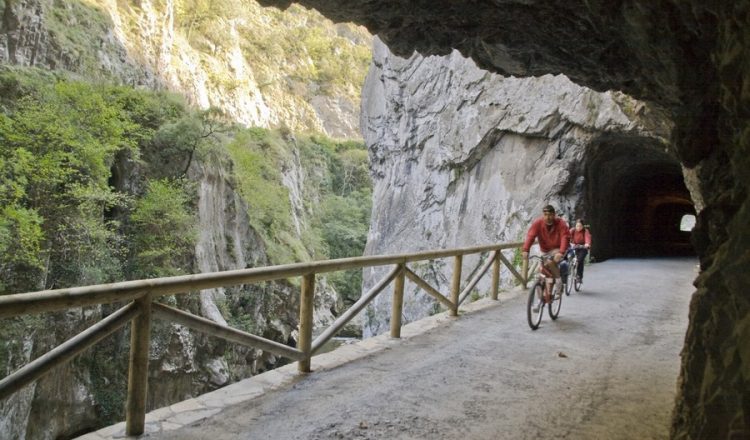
(607, 368)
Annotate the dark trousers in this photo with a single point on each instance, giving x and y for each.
(581, 256)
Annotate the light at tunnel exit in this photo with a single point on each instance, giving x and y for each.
(687, 223)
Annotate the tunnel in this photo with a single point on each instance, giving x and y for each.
(636, 198)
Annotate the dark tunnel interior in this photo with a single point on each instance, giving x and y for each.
(637, 200)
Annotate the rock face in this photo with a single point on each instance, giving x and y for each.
(467, 157)
(690, 58)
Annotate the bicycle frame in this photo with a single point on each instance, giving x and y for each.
(544, 276)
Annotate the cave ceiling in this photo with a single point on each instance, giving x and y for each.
(651, 50)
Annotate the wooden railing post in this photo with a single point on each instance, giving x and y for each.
(397, 305)
(306, 321)
(525, 271)
(456, 283)
(140, 341)
(495, 275)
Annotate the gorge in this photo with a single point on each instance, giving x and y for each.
(638, 110)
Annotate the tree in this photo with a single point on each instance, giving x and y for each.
(162, 230)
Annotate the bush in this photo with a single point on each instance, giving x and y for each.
(57, 143)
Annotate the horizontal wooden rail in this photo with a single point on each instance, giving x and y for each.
(221, 331)
(67, 350)
(61, 299)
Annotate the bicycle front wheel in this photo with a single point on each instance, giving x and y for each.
(535, 305)
(554, 306)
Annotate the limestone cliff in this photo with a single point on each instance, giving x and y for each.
(467, 157)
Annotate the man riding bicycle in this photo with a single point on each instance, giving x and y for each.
(552, 233)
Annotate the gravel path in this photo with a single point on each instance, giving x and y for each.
(607, 368)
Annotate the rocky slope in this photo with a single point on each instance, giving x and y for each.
(261, 66)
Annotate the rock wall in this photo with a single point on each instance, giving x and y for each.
(714, 386)
(461, 156)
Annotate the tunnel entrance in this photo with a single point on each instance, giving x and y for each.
(636, 199)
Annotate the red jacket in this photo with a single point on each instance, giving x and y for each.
(550, 237)
(580, 237)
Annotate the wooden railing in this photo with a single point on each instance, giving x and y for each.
(142, 306)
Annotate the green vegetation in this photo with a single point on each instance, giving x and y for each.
(259, 156)
(336, 62)
(57, 141)
(199, 15)
(344, 218)
(69, 225)
(337, 197)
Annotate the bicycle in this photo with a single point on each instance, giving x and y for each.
(572, 279)
(543, 293)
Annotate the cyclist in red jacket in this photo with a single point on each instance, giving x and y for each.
(580, 240)
(552, 233)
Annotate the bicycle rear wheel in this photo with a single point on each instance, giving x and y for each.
(578, 283)
(554, 306)
(535, 305)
